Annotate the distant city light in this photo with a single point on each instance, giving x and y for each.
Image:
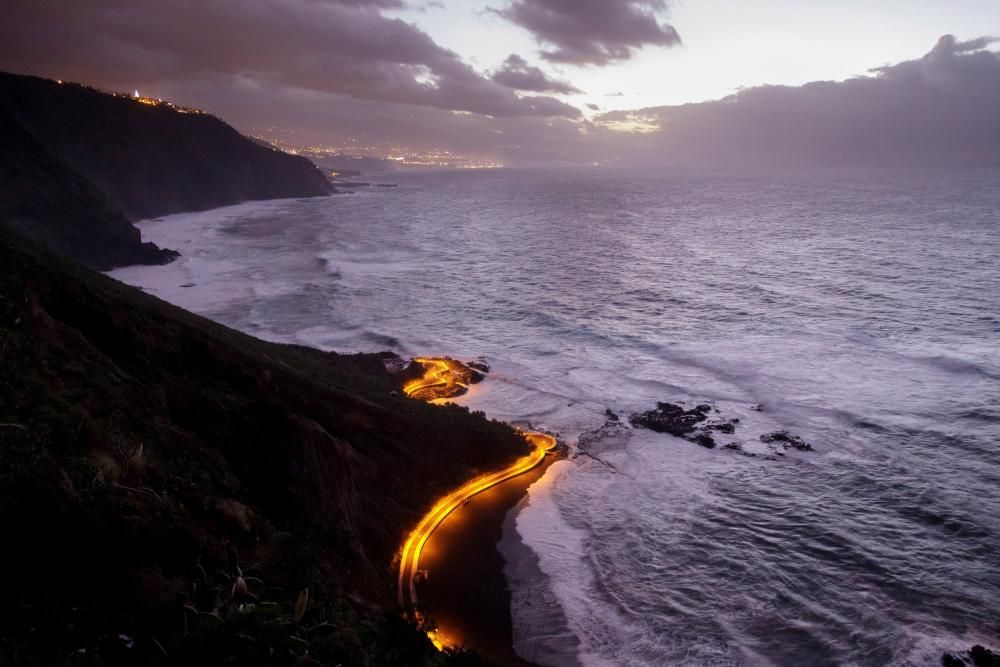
(354, 147)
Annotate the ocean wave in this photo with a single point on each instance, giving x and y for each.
(787, 307)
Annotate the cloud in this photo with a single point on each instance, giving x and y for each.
(344, 47)
(941, 108)
(592, 32)
(517, 73)
(319, 118)
(339, 71)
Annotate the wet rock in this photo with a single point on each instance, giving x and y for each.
(670, 418)
(757, 408)
(610, 417)
(480, 366)
(949, 660)
(786, 440)
(725, 427)
(983, 657)
(703, 439)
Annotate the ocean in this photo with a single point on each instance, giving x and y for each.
(856, 309)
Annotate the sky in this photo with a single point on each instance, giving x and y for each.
(728, 44)
(552, 81)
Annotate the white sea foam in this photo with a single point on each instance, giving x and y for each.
(780, 301)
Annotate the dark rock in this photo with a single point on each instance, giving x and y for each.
(480, 366)
(669, 418)
(787, 440)
(983, 657)
(949, 660)
(757, 408)
(704, 439)
(705, 409)
(735, 420)
(611, 416)
(722, 428)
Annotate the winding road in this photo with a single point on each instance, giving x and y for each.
(440, 378)
(443, 378)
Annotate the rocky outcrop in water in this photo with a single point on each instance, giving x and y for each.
(978, 656)
(671, 418)
(479, 365)
(786, 440)
(675, 420)
(694, 426)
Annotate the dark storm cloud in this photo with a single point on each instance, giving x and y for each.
(384, 4)
(942, 108)
(346, 47)
(592, 32)
(337, 71)
(323, 118)
(517, 73)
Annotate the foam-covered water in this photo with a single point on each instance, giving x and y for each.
(859, 310)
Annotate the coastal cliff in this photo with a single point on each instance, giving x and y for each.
(153, 159)
(43, 198)
(106, 158)
(148, 457)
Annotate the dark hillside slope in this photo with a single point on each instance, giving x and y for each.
(153, 160)
(47, 201)
(146, 453)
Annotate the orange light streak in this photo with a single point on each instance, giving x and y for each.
(440, 379)
(443, 378)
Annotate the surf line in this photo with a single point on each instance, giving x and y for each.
(445, 378)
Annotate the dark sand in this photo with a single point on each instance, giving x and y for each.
(466, 593)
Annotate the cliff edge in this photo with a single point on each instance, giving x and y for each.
(175, 483)
(122, 157)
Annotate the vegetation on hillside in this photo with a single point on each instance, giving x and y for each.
(169, 488)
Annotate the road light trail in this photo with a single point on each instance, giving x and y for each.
(443, 378)
(434, 385)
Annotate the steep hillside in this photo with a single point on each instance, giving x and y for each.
(49, 202)
(148, 457)
(153, 159)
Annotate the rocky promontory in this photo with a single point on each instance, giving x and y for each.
(107, 160)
